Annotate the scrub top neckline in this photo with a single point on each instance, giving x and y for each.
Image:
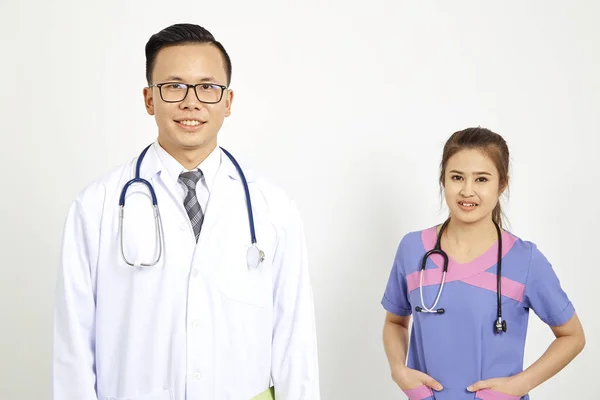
(487, 258)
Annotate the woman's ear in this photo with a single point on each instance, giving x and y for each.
(504, 185)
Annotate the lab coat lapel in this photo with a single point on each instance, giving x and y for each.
(152, 170)
(218, 210)
(227, 203)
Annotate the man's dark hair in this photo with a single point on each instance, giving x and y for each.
(181, 34)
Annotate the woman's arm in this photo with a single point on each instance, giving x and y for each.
(569, 342)
(395, 342)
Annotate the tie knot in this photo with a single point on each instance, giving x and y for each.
(190, 179)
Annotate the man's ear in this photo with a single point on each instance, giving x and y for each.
(228, 101)
(148, 100)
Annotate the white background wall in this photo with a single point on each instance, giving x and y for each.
(347, 106)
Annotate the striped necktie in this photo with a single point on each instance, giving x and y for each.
(192, 207)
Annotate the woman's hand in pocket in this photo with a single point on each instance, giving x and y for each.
(509, 385)
(408, 378)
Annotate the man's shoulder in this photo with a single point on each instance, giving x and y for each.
(271, 192)
(261, 186)
(97, 189)
(266, 194)
(266, 184)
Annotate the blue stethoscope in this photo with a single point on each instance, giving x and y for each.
(254, 255)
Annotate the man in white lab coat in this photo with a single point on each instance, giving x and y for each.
(200, 324)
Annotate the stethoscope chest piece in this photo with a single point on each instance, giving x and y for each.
(255, 256)
(500, 326)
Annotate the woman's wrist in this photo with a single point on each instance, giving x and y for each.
(523, 382)
(398, 370)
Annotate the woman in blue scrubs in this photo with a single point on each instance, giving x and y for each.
(463, 346)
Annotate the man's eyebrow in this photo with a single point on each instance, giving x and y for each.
(173, 78)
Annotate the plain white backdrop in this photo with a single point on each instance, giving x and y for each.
(346, 105)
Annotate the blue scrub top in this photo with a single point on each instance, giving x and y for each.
(459, 347)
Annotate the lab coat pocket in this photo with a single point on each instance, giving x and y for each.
(242, 283)
(161, 395)
(421, 393)
(489, 394)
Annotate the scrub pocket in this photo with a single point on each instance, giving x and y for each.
(421, 393)
(489, 394)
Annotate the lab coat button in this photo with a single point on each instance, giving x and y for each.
(197, 376)
(183, 226)
(196, 323)
(195, 272)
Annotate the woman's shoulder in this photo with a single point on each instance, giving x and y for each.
(418, 238)
(519, 243)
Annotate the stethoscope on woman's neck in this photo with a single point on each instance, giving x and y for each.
(499, 324)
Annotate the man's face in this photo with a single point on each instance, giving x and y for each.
(188, 124)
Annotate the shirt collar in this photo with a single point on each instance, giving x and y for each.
(209, 166)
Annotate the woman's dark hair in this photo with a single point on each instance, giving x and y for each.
(485, 140)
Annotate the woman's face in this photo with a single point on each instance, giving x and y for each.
(471, 185)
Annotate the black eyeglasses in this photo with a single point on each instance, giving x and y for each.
(174, 92)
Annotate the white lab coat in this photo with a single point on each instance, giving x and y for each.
(200, 325)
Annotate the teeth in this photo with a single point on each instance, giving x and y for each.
(189, 123)
(467, 204)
